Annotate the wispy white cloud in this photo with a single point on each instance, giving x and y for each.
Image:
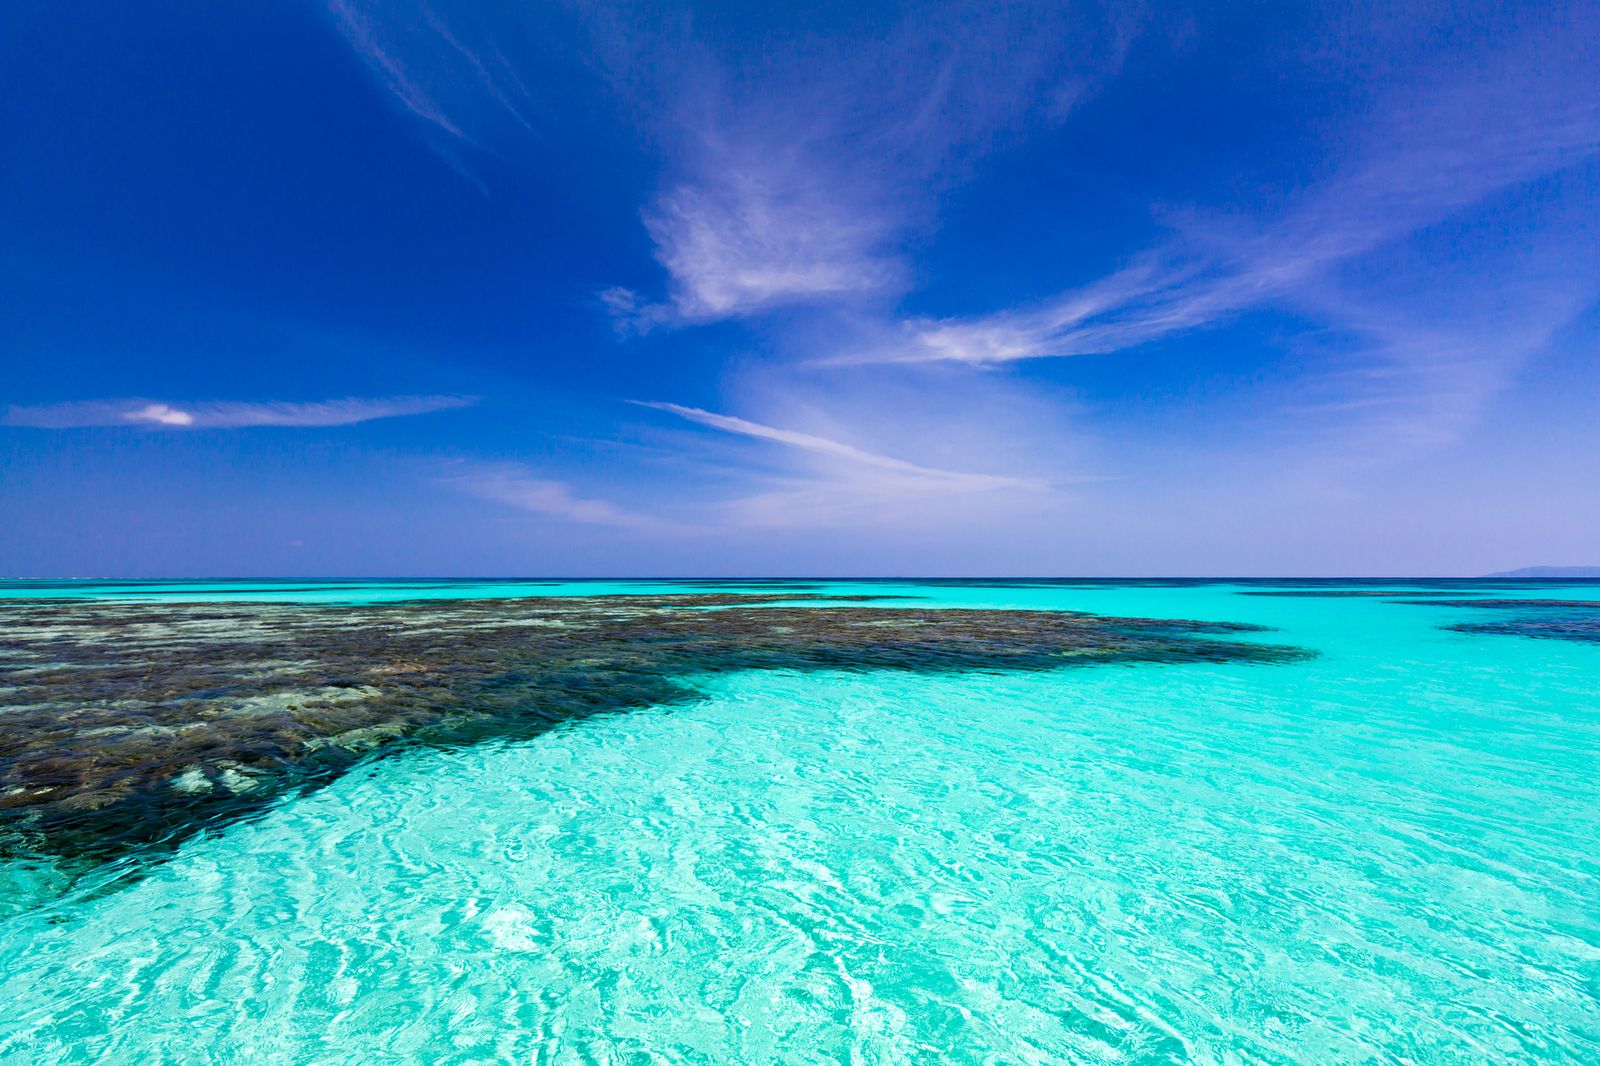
(501, 84)
(797, 182)
(515, 485)
(225, 415)
(1441, 148)
(445, 71)
(910, 473)
(805, 174)
(790, 180)
(759, 220)
(821, 482)
(1416, 382)
(363, 34)
(1155, 296)
(747, 240)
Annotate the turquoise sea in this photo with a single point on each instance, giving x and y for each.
(1387, 852)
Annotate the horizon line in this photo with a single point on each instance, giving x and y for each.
(376, 579)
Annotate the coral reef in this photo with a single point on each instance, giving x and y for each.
(129, 725)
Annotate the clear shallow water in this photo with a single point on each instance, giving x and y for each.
(1388, 853)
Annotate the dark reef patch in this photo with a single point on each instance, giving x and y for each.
(1586, 629)
(127, 726)
(1512, 605)
(1550, 619)
(1341, 594)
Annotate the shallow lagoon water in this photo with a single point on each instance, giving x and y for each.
(1387, 853)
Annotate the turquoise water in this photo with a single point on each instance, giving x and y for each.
(1388, 853)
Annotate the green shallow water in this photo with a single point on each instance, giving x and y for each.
(1388, 853)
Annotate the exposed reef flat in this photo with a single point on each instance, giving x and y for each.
(129, 725)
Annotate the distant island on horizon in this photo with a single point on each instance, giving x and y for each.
(1550, 571)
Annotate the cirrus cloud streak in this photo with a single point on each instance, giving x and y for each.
(225, 414)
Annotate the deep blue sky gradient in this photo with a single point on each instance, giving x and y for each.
(404, 288)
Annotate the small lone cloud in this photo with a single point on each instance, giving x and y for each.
(160, 414)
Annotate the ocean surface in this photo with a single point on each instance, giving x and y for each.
(1386, 850)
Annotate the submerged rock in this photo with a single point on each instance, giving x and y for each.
(130, 725)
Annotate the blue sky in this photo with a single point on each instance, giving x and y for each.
(446, 288)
